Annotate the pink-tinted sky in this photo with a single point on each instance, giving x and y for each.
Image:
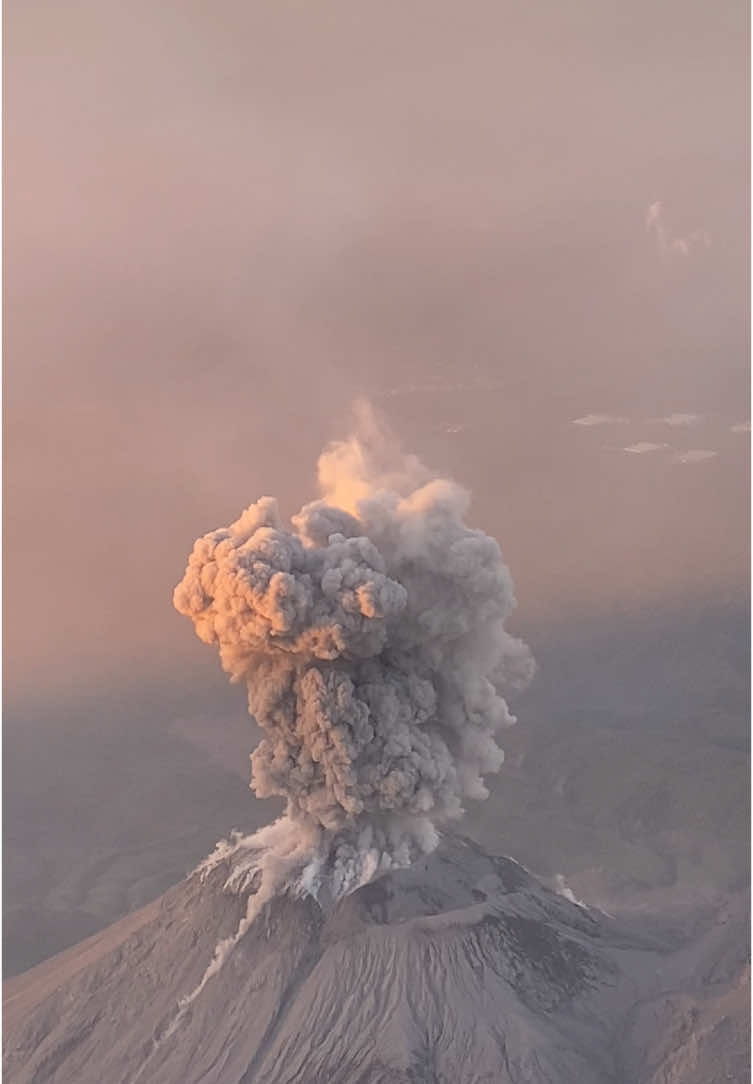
(223, 222)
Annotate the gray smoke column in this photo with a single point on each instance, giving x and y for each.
(370, 636)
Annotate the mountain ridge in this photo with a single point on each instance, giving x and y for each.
(461, 968)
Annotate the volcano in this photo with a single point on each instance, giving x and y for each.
(462, 968)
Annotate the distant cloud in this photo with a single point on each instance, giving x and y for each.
(668, 245)
(452, 429)
(695, 455)
(562, 888)
(654, 217)
(740, 427)
(600, 419)
(681, 419)
(644, 446)
(442, 386)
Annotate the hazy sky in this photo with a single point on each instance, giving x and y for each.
(223, 222)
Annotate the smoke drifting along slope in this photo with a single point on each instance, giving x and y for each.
(370, 636)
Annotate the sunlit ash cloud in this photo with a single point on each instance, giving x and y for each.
(370, 636)
(740, 427)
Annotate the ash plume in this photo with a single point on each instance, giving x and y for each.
(370, 637)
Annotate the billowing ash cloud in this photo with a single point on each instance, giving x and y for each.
(370, 636)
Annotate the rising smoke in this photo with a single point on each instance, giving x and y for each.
(370, 637)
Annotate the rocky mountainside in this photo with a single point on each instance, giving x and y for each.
(463, 968)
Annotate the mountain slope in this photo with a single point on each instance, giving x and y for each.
(463, 968)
